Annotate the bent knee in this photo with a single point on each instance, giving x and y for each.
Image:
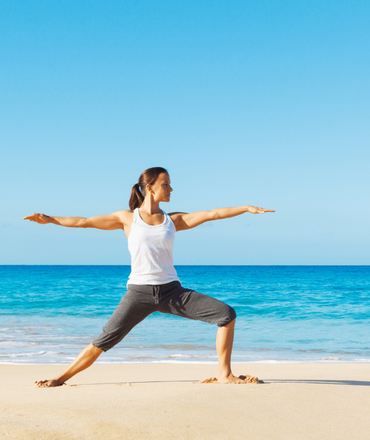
(95, 349)
(229, 316)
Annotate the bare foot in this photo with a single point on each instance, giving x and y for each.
(231, 379)
(250, 379)
(209, 380)
(48, 383)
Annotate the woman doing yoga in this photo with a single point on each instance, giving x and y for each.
(153, 284)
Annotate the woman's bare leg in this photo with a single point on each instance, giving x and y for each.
(224, 346)
(86, 358)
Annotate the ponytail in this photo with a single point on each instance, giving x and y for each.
(136, 198)
(147, 177)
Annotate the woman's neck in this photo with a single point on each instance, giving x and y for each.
(150, 206)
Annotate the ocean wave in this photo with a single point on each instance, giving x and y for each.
(308, 314)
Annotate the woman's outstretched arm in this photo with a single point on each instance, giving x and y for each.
(185, 221)
(110, 222)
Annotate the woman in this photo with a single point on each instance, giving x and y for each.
(153, 284)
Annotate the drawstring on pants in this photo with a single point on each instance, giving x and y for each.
(156, 290)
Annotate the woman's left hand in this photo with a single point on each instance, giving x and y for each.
(255, 210)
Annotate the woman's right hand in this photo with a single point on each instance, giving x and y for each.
(38, 218)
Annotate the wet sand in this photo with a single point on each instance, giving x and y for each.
(297, 402)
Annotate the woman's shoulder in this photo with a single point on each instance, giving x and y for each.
(125, 215)
(124, 212)
(176, 216)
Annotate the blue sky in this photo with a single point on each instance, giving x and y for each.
(245, 102)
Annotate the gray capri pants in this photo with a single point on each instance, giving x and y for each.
(142, 300)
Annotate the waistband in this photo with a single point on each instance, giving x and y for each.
(156, 290)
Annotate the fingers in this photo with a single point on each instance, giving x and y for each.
(37, 217)
(263, 210)
(30, 217)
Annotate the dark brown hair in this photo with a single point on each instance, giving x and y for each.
(147, 177)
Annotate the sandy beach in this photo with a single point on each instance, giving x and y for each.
(297, 401)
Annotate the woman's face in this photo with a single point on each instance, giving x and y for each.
(161, 189)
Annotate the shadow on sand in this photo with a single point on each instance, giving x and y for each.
(131, 382)
(320, 382)
(266, 382)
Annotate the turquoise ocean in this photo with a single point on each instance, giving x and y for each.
(285, 314)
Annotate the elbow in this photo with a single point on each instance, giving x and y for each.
(213, 215)
(83, 223)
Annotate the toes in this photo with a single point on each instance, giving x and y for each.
(250, 379)
(49, 384)
(42, 384)
(209, 380)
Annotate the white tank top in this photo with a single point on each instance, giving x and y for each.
(151, 251)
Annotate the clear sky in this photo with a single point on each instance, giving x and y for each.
(244, 102)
